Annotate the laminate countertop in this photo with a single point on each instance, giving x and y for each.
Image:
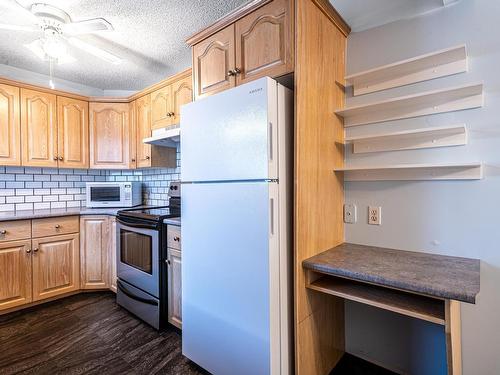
(40, 214)
(429, 274)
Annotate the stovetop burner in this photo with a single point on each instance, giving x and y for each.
(151, 213)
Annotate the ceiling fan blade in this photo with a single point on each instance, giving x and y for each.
(93, 50)
(87, 26)
(18, 7)
(5, 26)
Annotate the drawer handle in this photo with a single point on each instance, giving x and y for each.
(28, 251)
(168, 262)
(3, 231)
(177, 239)
(57, 226)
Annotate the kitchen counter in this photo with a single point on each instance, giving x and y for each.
(432, 275)
(40, 214)
(173, 221)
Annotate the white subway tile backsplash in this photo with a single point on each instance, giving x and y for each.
(16, 199)
(33, 199)
(24, 206)
(6, 207)
(7, 177)
(24, 177)
(58, 205)
(41, 206)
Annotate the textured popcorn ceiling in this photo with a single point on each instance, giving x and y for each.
(149, 35)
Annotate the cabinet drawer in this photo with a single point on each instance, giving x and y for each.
(15, 230)
(174, 237)
(55, 225)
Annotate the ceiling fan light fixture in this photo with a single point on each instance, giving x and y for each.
(38, 47)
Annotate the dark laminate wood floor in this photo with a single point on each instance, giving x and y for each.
(87, 334)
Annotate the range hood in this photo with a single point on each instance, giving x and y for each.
(165, 137)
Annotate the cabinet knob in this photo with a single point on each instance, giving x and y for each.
(168, 262)
(28, 251)
(61, 158)
(35, 250)
(3, 231)
(147, 158)
(231, 73)
(56, 158)
(237, 71)
(133, 160)
(177, 239)
(57, 226)
(172, 114)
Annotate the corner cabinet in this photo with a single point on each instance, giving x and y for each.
(72, 133)
(38, 129)
(10, 125)
(111, 136)
(256, 45)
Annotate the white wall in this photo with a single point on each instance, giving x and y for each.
(454, 218)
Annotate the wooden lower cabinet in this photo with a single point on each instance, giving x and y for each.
(174, 262)
(94, 254)
(56, 265)
(15, 274)
(112, 252)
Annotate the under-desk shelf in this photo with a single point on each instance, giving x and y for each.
(414, 305)
(422, 104)
(417, 69)
(410, 139)
(413, 172)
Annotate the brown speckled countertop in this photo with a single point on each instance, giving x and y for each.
(433, 275)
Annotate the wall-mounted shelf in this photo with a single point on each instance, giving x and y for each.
(427, 103)
(414, 172)
(410, 139)
(417, 69)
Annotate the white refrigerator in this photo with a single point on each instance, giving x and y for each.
(236, 173)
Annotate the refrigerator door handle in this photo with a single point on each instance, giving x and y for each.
(271, 215)
(270, 139)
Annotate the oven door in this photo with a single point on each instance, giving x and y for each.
(137, 255)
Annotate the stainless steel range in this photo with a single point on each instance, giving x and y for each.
(141, 259)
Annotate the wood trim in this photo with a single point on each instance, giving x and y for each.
(99, 99)
(226, 20)
(453, 332)
(333, 15)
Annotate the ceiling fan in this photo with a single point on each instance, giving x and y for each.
(58, 31)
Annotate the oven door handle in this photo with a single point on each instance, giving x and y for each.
(128, 293)
(135, 224)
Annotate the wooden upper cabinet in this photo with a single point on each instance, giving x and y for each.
(264, 42)
(161, 107)
(110, 136)
(38, 129)
(56, 266)
(10, 128)
(15, 278)
(213, 58)
(143, 128)
(182, 93)
(73, 133)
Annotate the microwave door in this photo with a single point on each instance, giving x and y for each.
(105, 194)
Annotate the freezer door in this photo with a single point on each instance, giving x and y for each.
(226, 280)
(232, 135)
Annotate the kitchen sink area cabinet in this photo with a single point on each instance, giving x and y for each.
(174, 261)
(95, 252)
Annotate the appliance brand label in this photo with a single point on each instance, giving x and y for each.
(255, 90)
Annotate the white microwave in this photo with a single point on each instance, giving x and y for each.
(114, 194)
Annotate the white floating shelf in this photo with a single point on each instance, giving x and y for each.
(410, 139)
(417, 69)
(426, 103)
(414, 172)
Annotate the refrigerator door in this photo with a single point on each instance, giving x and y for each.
(232, 135)
(230, 277)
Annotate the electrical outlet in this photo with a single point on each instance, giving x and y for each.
(350, 216)
(374, 215)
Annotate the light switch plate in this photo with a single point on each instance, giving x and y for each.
(350, 216)
(374, 215)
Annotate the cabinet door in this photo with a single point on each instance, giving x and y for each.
(161, 106)
(10, 127)
(38, 129)
(213, 58)
(174, 287)
(56, 266)
(94, 254)
(264, 43)
(15, 275)
(110, 136)
(182, 93)
(112, 253)
(73, 133)
(143, 126)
